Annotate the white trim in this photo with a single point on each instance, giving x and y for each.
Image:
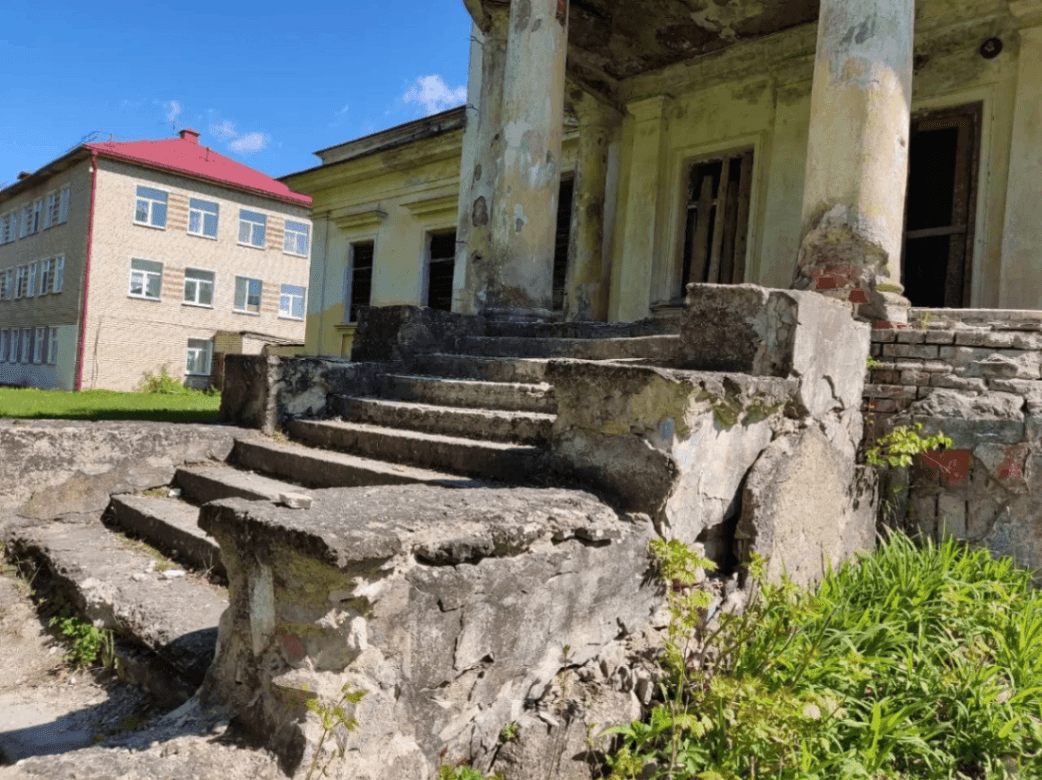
(202, 219)
(149, 220)
(213, 288)
(146, 277)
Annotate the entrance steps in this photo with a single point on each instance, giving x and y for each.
(147, 572)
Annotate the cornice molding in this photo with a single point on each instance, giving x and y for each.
(435, 206)
(358, 221)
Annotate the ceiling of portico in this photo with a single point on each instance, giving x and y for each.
(618, 39)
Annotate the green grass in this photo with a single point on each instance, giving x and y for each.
(917, 662)
(29, 403)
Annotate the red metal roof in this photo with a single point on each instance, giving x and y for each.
(186, 156)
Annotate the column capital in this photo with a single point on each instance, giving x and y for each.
(1027, 12)
(485, 12)
(591, 110)
(650, 108)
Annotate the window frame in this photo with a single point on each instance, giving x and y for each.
(21, 274)
(49, 209)
(349, 281)
(52, 346)
(147, 274)
(201, 233)
(213, 288)
(46, 274)
(64, 204)
(151, 202)
(5, 284)
(244, 220)
(27, 346)
(58, 280)
(246, 296)
(39, 345)
(303, 296)
(287, 232)
(30, 286)
(207, 351)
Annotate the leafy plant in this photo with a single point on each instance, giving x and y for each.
(331, 716)
(902, 443)
(162, 383)
(871, 362)
(86, 642)
(917, 662)
(463, 772)
(509, 733)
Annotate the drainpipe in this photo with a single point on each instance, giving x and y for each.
(86, 272)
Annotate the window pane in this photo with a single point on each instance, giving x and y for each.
(210, 225)
(205, 294)
(203, 205)
(258, 235)
(141, 214)
(137, 283)
(244, 232)
(159, 214)
(240, 293)
(195, 220)
(298, 308)
(190, 290)
(147, 265)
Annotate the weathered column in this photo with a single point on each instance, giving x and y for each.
(589, 272)
(482, 153)
(524, 214)
(1021, 273)
(857, 157)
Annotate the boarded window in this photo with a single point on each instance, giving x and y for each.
(361, 278)
(563, 238)
(440, 267)
(941, 206)
(717, 226)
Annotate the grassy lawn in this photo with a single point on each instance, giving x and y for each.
(187, 407)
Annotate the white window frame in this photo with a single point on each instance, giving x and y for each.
(287, 313)
(27, 346)
(245, 309)
(150, 202)
(64, 202)
(3, 344)
(252, 220)
(195, 210)
(58, 281)
(35, 217)
(20, 278)
(30, 287)
(52, 346)
(46, 274)
(23, 227)
(49, 209)
(12, 227)
(293, 230)
(195, 351)
(5, 285)
(40, 345)
(144, 276)
(212, 281)
(13, 338)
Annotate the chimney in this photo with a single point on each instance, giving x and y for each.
(192, 136)
(24, 175)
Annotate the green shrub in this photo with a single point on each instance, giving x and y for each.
(86, 642)
(163, 384)
(914, 662)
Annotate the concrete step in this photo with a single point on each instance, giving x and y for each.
(113, 582)
(467, 456)
(529, 370)
(486, 424)
(662, 347)
(169, 525)
(200, 484)
(468, 393)
(322, 468)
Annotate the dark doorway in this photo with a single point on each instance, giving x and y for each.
(440, 267)
(718, 196)
(361, 291)
(564, 232)
(936, 268)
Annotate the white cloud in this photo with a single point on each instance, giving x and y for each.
(343, 111)
(225, 131)
(173, 110)
(434, 94)
(247, 143)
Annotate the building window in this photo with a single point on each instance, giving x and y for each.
(64, 199)
(202, 218)
(5, 286)
(59, 274)
(151, 207)
(52, 348)
(50, 209)
(23, 227)
(296, 238)
(198, 287)
(440, 267)
(12, 346)
(12, 227)
(21, 280)
(247, 295)
(251, 228)
(40, 347)
(46, 275)
(27, 345)
(30, 288)
(361, 280)
(198, 362)
(146, 279)
(35, 217)
(291, 301)
(8, 225)
(3, 345)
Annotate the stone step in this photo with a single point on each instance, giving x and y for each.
(111, 581)
(468, 393)
(488, 369)
(485, 424)
(467, 456)
(322, 468)
(663, 347)
(169, 525)
(200, 484)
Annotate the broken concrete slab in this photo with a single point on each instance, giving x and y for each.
(469, 393)
(169, 525)
(449, 608)
(200, 484)
(56, 467)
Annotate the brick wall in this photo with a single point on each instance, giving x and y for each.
(976, 376)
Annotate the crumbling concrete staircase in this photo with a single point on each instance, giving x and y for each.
(449, 420)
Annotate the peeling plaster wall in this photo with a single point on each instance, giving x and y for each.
(758, 94)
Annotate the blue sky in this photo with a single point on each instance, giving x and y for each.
(266, 83)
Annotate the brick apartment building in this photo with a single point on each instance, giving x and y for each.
(118, 259)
